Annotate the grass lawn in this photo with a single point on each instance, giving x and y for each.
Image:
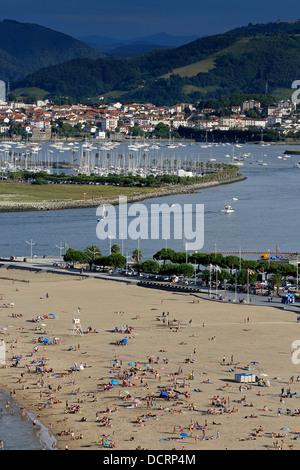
(26, 192)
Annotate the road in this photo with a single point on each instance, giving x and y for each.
(52, 265)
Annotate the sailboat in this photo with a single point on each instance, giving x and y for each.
(261, 162)
(102, 217)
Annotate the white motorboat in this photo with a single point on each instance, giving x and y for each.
(228, 209)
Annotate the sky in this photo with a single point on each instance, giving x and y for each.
(126, 19)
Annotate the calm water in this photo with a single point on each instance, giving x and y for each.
(266, 215)
(266, 212)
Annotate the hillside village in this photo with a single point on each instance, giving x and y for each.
(40, 120)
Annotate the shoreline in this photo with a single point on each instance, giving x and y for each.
(10, 206)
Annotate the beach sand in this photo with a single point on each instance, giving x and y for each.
(195, 357)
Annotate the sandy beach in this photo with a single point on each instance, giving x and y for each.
(170, 386)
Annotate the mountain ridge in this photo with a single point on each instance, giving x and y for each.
(26, 47)
(243, 60)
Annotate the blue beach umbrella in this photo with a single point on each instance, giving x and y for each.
(124, 341)
(184, 434)
(114, 382)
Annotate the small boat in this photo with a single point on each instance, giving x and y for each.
(102, 217)
(227, 209)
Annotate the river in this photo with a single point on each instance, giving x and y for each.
(266, 208)
(266, 204)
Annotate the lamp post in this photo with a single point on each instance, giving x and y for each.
(60, 247)
(31, 243)
(297, 269)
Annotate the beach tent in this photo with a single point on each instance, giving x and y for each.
(245, 378)
(288, 298)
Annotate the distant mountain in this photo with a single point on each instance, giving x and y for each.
(25, 48)
(135, 46)
(243, 60)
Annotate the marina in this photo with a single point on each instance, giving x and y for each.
(265, 205)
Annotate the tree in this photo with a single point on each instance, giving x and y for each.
(216, 259)
(115, 248)
(249, 264)
(136, 254)
(232, 262)
(180, 257)
(243, 276)
(91, 253)
(169, 269)
(117, 260)
(186, 270)
(102, 261)
(200, 258)
(166, 254)
(74, 256)
(276, 281)
(287, 270)
(150, 266)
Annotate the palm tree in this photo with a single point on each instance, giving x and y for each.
(276, 281)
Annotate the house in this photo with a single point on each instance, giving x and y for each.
(250, 104)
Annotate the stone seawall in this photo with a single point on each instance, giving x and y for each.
(80, 204)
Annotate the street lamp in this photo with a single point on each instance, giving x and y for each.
(31, 245)
(60, 250)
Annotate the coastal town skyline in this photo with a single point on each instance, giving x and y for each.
(133, 18)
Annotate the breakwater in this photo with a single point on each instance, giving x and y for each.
(9, 206)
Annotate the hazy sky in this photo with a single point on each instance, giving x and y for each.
(132, 18)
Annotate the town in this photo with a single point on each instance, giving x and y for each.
(44, 120)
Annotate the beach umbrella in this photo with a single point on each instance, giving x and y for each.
(184, 434)
(131, 364)
(114, 382)
(254, 362)
(124, 341)
(285, 429)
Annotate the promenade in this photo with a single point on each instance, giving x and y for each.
(56, 266)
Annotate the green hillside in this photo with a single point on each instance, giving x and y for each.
(243, 60)
(25, 48)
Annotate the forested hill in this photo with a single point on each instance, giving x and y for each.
(244, 60)
(25, 48)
